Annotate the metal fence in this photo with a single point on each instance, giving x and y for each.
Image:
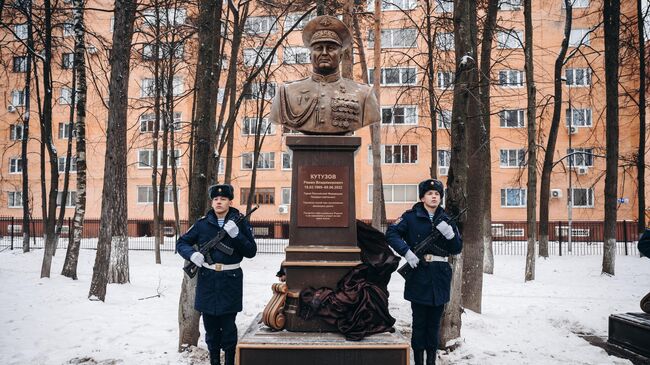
(509, 238)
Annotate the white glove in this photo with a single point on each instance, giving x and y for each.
(412, 260)
(231, 228)
(446, 230)
(198, 259)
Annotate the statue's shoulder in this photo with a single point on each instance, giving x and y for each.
(298, 83)
(360, 86)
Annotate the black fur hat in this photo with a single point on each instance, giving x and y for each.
(224, 190)
(431, 184)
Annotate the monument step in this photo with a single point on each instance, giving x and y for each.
(631, 331)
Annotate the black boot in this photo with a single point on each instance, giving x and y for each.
(215, 358)
(419, 357)
(230, 356)
(431, 356)
(645, 303)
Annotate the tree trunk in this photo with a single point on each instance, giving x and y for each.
(640, 161)
(25, 135)
(72, 254)
(429, 34)
(545, 185)
(611, 23)
(531, 114)
(465, 107)
(113, 219)
(118, 272)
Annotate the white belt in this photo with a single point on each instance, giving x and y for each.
(221, 267)
(430, 258)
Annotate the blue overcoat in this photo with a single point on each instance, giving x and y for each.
(430, 282)
(644, 243)
(218, 292)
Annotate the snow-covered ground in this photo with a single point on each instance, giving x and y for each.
(50, 321)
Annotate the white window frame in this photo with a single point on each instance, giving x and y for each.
(256, 87)
(62, 162)
(521, 197)
(445, 41)
(253, 57)
(391, 159)
(285, 196)
(266, 161)
(21, 62)
(509, 39)
(15, 165)
(589, 197)
(16, 132)
(571, 76)
(293, 18)
(260, 25)
(67, 61)
(395, 38)
(18, 97)
(66, 130)
(287, 156)
(393, 5)
(445, 80)
(513, 78)
(148, 87)
(14, 199)
(582, 157)
(169, 17)
(579, 37)
(66, 96)
(148, 190)
(402, 75)
(70, 198)
(407, 113)
(390, 196)
(510, 158)
(444, 161)
(577, 4)
(504, 121)
(443, 119)
(509, 5)
(20, 30)
(249, 126)
(296, 55)
(164, 51)
(146, 155)
(583, 115)
(68, 28)
(443, 6)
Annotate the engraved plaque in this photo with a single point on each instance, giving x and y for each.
(323, 196)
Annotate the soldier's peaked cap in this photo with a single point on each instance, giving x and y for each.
(326, 28)
(224, 190)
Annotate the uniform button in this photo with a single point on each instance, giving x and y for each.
(322, 94)
(322, 106)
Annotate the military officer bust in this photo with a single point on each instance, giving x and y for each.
(325, 103)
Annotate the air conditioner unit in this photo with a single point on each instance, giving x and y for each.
(443, 171)
(556, 193)
(11, 109)
(91, 49)
(573, 129)
(283, 209)
(582, 170)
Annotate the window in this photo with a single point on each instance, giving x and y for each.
(167, 50)
(20, 64)
(444, 161)
(511, 118)
(578, 76)
(145, 194)
(296, 55)
(395, 38)
(581, 157)
(73, 164)
(445, 79)
(445, 41)
(582, 198)
(67, 61)
(286, 196)
(16, 132)
(112, 26)
(579, 37)
(249, 126)
(293, 18)
(148, 87)
(15, 199)
(512, 158)
(509, 4)
(220, 95)
(444, 6)
(255, 56)
(578, 4)
(397, 193)
(509, 39)
(265, 161)
(165, 17)
(145, 159)
(66, 96)
(68, 29)
(261, 196)
(147, 122)
(444, 119)
(66, 130)
(400, 154)
(21, 31)
(387, 5)
(399, 115)
(511, 78)
(15, 165)
(18, 97)
(287, 160)
(260, 25)
(513, 197)
(254, 90)
(577, 117)
(394, 76)
(70, 199)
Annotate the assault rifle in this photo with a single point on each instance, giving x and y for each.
(191, 269)
(427, 245)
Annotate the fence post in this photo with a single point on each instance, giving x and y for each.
(33, 232)
(13, 226)
(559, 237)
(69, 232)
(625, 235)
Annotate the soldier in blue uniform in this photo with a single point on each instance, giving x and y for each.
(429, 287)
(219, 287)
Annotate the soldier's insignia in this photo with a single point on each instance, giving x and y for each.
(326, 22)
(345, 111)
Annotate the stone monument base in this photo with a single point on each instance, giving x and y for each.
(631, 332)
(262, 346)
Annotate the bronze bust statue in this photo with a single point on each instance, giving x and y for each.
(325, 103)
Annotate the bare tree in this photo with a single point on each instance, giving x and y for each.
(25, 126)
(113, 222)
(531, 114)
(640, 157)
(612, 22)
(378, 204)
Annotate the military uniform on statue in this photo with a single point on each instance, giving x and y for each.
(428, 288)
(220, 285)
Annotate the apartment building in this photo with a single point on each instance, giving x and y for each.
(405, 126)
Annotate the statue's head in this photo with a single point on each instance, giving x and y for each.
(327, 37)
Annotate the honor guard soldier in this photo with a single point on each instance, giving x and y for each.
(325, 103)
(428, 288)
(219, 286)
